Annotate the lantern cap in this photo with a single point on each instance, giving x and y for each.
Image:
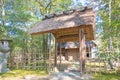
(4, 39)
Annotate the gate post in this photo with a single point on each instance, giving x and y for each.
(56, 69)
(82, 51)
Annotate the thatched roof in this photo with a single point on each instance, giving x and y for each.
(69, 45)
(1, 40)
(67, 23)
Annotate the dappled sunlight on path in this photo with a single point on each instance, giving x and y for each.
(59, 76)
(69, 76)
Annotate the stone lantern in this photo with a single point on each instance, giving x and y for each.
(4, 53)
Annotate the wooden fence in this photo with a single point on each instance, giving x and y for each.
(30, 61)
(105, 61)
(45, 61)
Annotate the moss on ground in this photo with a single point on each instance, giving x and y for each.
(106, 76)
(14, 74)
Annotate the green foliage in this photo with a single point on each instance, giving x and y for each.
(109, 56)
(110, 26)
(60, 5)
(112, 29)
(20, 15)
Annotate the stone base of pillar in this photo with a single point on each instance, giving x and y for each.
(56, 69)
(4, 70)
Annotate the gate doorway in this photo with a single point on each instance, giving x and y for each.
(70, 26)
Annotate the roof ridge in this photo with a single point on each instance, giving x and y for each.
(66, 12)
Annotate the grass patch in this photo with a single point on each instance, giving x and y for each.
(106, 76)
(95, 64)
(14, 74)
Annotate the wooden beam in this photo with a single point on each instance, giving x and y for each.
(72, 34)
(68, 36)
(69, 39)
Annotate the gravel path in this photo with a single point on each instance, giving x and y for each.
(69, 76)
(59, 76)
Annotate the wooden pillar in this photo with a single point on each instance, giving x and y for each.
(82, 51)
(89, 50)
(56, 44)
(66, 53)
(49, 67)
(60, 54)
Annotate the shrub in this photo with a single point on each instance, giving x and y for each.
(118, 70)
